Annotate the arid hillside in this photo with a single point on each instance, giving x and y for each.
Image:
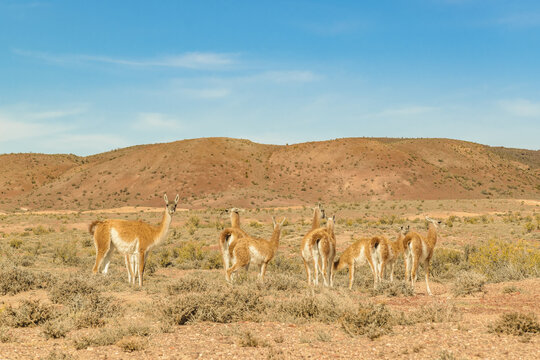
(222, 171)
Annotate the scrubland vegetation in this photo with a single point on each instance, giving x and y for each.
(46, 282)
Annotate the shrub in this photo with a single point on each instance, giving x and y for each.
(370, 320)
(5, 335)
(29, 313)
(131, 344)
(57, 328)
(68, 291)
(66, 253)
(503, 261)
(221, 307)
(188, 283)
(247, 339)
(15, 243)
(14, 280)
(516, 324)
(434, 313)
(468, 282)
(59, 355)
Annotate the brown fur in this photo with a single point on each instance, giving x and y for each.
(229, 236)
(248, 250)
(133, 239)
(419, 249)
(318, 214)
(386, 252)
(319, 248)
(359, 252)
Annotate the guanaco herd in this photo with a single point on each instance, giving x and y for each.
(133, 240)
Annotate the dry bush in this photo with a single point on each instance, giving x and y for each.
(94, 310)
(370, 320)
(5, 335)
(66, 253)
(192, 255)
(283, 282)
(14, 280)
(325, 307)
(446, 263)
(57, 328)
(215, 306)
(189, 283)
(131, 343)
(29, 313)
(468, 282)
(84, 304)
(59, 355)
(108, 336)
(393, 288)
(247, 339)
(70, 290)
(516, 324)
(434, 313)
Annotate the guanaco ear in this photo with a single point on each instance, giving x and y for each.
(282, 221)
(274, 221)
(176, 198)
(166, 199)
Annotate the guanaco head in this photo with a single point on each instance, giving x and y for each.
(171, 208)
(331, 222)
(276, 225)
(321, 210)
(436, 223)
(403, 230)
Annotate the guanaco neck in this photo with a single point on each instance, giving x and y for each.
(235, 219)
(164, 227)
(316, 215)
(274, 240)
(432, 234)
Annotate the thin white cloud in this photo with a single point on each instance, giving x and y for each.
(23, 121)
(522, 20)
(189, 60)
(521, 107)
(206, 93)
(156, 122)
(290, 76)
(405, 111)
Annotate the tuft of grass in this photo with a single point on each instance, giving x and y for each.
(370, 320)
(468, 282)
(515, 323)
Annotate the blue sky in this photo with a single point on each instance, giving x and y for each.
(85, 77)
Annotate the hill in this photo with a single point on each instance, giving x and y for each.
(222, 171)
